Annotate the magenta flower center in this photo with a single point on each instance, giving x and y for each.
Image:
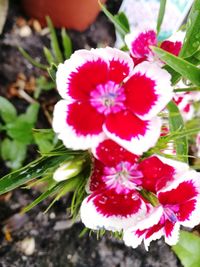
(123, 178)
(108, 98)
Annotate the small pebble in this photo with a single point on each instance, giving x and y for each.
(27, 246)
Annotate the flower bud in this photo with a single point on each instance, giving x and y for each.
(68, 170)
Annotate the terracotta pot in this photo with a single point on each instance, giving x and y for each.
(71, 14)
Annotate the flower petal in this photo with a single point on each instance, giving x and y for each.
(130, 132)
(120, 63)
(171, 47)
(75, 78)
(112, 211)
(148, 90)
(156, 174)
(110, 153)
(171, 232)
(139, 43)
(78, 126)
(148, 229)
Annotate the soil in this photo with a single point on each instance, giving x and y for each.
(49, 240)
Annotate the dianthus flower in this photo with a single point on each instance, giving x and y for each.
(114, 202)
(105, 96)
(178, 203)
(116, 187)
(140, 44)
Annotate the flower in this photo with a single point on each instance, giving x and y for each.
(105, 96)
(140, 42)
(178, 204)
(114, 202)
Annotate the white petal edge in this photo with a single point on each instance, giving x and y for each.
(109, 54)
(174, 237)
(67, 134)
(139, 144)
(163, 87)
(79, 58)
(94, 220)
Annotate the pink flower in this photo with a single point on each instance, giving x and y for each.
(114, 202)
(105, 96)
(140, 44)
(178, 204)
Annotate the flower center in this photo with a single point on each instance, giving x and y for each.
(108, 98)
(170, 212)
(123, 178)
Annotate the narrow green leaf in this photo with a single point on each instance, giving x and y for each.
(51, 191)
(49, 57)
(31, 171)
(187, 89)
(161, 15)
(119, 27)
(67, 44)
(123, 20)
(52, 71)
(188, 249)
(186, 69)
(7, 111)
(67, 187)
(54, 41)
(32, 60)
(192, 38)
(176, 124)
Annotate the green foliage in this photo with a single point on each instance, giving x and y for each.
(17, 130)
(161, 15)
(185, 68)
(120, 22)
(192, 39)
(67, 44)
(43, 84)
(188, 249)
(7, 111)
(176, 123)
(45, 139)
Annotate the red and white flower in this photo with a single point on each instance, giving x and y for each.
(105, 96)
(114, 202)
(140, 42)
(178, 204)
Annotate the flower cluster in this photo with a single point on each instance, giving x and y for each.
(111, 105)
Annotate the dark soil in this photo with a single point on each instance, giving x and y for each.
(57, 244)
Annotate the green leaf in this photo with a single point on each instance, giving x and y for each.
(13, 153)
(52, 71)
(161, 15)
(43, 84)
(192, 38)
(54, 41)
(67, 44)
(186, 69)
(51, 191)
(45, 139)
(31, 171)
(123, 20)
(49, 57)
(31, 114)
(21, 128)
(32, 60)
(118, 25)
(176, 124)
(7, 110)
(188, 249)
